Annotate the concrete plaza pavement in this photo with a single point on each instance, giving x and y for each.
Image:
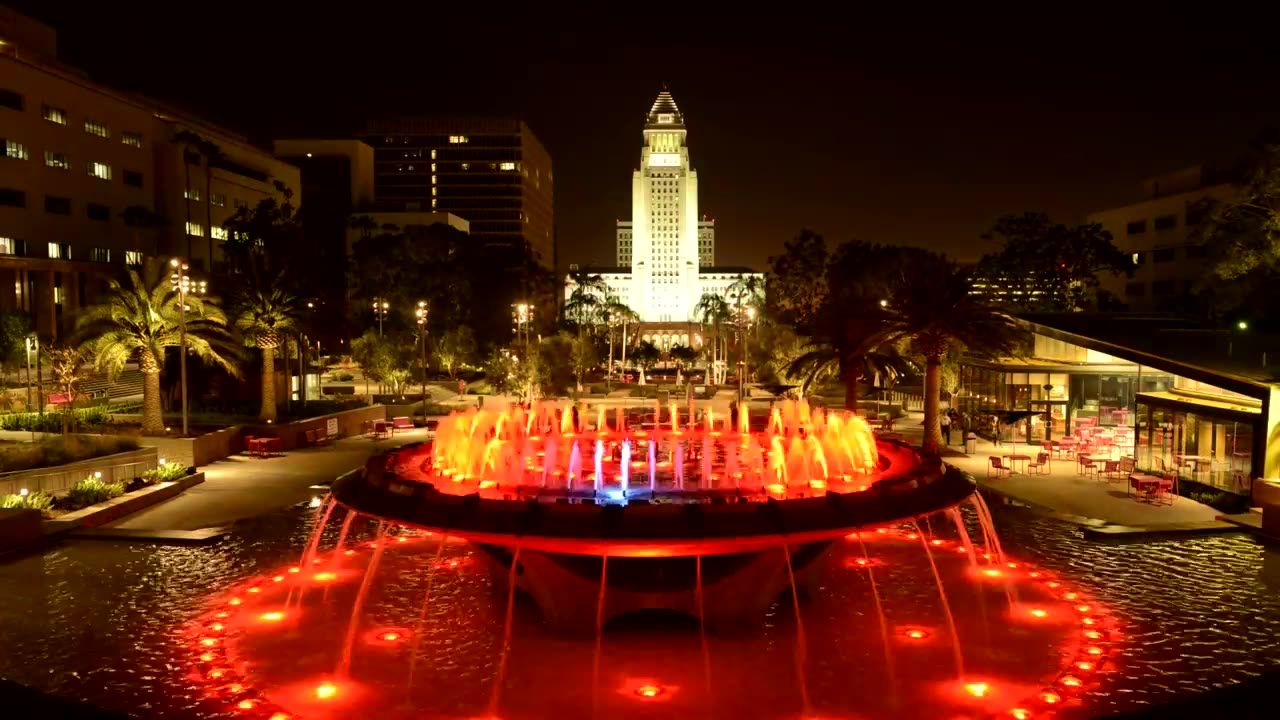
(242, 486)
(1062, 490)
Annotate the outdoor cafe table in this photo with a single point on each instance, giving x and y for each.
(1144, 484)
(264, 446)
(1013, 458)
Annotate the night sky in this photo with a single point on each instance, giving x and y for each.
(911, 130)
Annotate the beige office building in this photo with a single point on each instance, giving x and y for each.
(1159, 232)
(92, 179)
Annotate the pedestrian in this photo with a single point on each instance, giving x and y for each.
(946, 427)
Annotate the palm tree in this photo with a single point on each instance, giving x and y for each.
(714, 311)
(265, 312)
(933, 305)
(858, 354)
(617, 312)
(137, 320)
(585, 303)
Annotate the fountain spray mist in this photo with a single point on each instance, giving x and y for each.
(946, 607)
(506, 637)
(800, 637)
(380, 543)
(884, 625)
(420, 625)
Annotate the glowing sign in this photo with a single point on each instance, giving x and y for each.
(664, 159)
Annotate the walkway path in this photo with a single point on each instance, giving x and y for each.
(242, 487)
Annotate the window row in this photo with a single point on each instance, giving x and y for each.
(15, 150)
(59, 116)
(1194, 215)
(1169, 254)
(62, 251)
(196, 229)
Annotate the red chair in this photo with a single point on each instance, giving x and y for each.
(998, 466)
(1111, 468)
(1086, 465)
(1040, 466)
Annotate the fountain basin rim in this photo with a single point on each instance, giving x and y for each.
(655, 530)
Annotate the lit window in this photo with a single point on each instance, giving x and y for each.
(100, 254)
(57, 295)
(456, 140)
(218, 233)
(433, 157)
(132, 139)
(102, 171)
(7, 246)
(433, 192)
(15, 150)
(433, 167)
(132, 257)
(57, 160)
(96, 128)
(433, 179)
(507, 166)
(433, 203)
(54, 115)
(217, 200)
(466, 166)
(192, 194)
(55, 251)
(240, 203)
(195, 229)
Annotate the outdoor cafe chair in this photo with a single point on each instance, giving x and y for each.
(1040, 466)
(1087, 466)
(1111, 468)
(998, 466)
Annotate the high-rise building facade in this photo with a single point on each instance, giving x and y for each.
(92, 179)
(493, 173)
(666, 252)
(1159, 233)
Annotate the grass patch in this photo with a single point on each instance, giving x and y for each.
(60, 451)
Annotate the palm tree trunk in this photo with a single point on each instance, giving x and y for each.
(152, 421)
(268, 411)
(932, 384)
(208, 208)
(850, 389)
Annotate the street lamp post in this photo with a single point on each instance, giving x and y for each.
(31, 342)
(421, 314)
(380, 308)
(181, 282)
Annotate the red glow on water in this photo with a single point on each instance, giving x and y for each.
(883, 531)
(223, 614)
(1012, 566)
(1070, 596)
(1088, 621)
(1093, 634)
(912, 536)
(216, 627)
(1070, 681)
(648, 691)
(280, 716)
(992, 572)
(234, 688)
(255, 590)
(1093, 650)
(389, 636)
(234, 601)
(915, 633)
(402, 539)
(936, 541)
(1084, 665)
(1033, 575)
(326, 690)
(1083, 608)
(273, 616)
(246, 704)
(295, 569)
(349, 553)
(961, 550)
(978, 689)
(324, 577)
(1050, 697)
(207, 657)
(1039, 613)
(1052, 584)
(278, 578)
(215, 674)
(208, 642)
(1020, 714)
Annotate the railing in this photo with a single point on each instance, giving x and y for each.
(56, 480)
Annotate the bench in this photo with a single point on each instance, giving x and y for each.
(402, 423)
(317, 437)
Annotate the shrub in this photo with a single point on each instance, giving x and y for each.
(92, 491)
(39, 500)
(165, 473)
(59, 451)
(51, 421)
(436, 409)
(343, 377)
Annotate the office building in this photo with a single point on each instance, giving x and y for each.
(493, 173)
(1159, 232)
(93, 179)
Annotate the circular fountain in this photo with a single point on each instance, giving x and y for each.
(610, 515)
(665, 501)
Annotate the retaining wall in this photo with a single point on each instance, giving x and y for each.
(58, 479)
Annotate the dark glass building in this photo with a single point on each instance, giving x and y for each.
(493, 173)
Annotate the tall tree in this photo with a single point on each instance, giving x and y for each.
(1242, 237)
(65, 363)
(587, 301)
(454, 347)
(137, 321)
(1043, 265)
(712, 310)
(933, 305)
(793, 297)
(265, 310)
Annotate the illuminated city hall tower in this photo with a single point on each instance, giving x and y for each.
(664, 255)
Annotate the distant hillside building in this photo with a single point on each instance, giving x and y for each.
(1158, 232)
